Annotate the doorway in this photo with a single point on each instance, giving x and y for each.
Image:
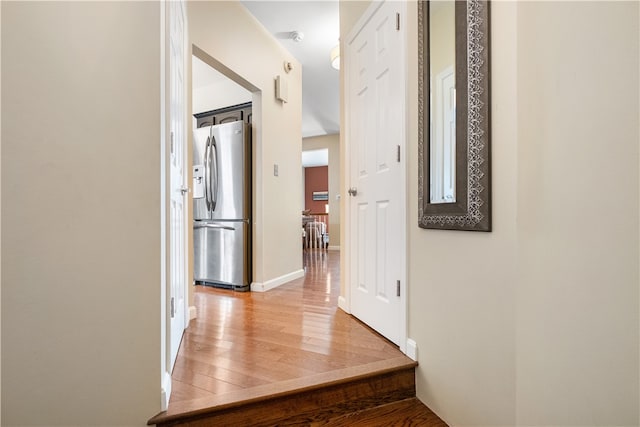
(315, 190)
(321, 156)
(222, 177)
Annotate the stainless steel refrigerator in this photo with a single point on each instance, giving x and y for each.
(222, 205)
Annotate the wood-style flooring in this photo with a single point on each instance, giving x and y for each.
(243, 347)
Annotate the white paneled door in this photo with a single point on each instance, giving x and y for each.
(177, 147)
(376, 137)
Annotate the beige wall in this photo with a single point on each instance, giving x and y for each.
(541, 326)
(536, 323)
(80, 237)
(350, 12)
(577, 295)
(332, 143)
(255, 58)
(461, 284)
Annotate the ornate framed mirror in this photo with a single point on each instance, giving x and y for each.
(454, 174)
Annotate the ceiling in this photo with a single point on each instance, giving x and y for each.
(319, 22)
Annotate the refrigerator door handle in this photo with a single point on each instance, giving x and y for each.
(207, 175)
(214, 171)
(197, 225)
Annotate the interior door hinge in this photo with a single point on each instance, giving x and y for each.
(398, 154)
(173, 307)
(398, 288)
(171, 144)
(397, 22)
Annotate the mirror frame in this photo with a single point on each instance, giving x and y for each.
(472, 208)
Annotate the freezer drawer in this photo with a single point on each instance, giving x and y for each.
(221, 254)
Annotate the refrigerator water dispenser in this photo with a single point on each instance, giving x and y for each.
(198, 182)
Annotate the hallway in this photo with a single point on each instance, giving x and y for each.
(247, 345)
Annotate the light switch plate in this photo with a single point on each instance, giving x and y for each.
(275, 169)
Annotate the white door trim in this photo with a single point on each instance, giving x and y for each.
(165, 386)
(406, 345)
(404, 316)
(344, 302)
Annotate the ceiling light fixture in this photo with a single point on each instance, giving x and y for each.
(335, 57)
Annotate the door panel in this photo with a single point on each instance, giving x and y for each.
(362, 244)
(382, 227)
(375, 92)
(383, 121)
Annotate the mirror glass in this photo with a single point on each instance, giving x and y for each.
(442, 97)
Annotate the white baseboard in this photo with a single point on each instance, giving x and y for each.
(333, 248)
(412, 349)
(192, 312)
(274, 283)
(165, 392)
(342, 304)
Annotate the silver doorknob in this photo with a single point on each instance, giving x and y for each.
(184, 190)
(353, 191)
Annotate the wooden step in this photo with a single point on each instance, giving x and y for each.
(406, 413)
(309, 405)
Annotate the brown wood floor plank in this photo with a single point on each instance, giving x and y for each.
(204, 382)
(405, 413)
(237, 378)
(181, 391)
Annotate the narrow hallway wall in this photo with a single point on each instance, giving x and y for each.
(80, 213)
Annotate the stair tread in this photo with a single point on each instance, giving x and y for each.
(408, 412)
(280, 391)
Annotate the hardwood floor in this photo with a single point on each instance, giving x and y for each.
(244, 349)
(407, 413)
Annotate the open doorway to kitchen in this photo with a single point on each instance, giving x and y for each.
(222, 179)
